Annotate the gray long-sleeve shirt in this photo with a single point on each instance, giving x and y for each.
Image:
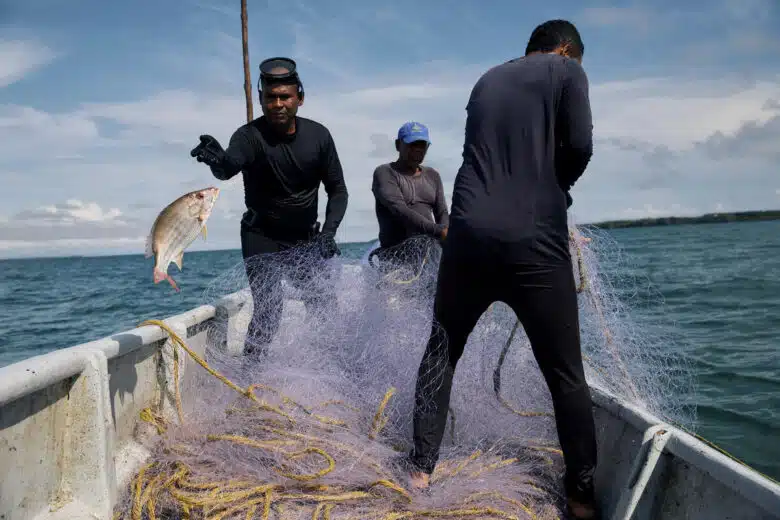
(408, 205)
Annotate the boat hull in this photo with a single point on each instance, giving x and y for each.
(69, 438)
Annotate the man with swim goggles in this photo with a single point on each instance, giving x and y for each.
(284, 159)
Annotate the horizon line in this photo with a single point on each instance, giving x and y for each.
(593, 224)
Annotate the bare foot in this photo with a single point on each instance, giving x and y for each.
(581, 511)
(420, 480)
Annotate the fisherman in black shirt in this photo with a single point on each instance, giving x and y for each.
(283, 158)
(528, 139)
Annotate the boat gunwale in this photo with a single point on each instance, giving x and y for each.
(732, 473)
(53, 367)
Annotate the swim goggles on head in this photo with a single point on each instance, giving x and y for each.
(277, 71)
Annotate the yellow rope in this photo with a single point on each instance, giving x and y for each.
(395, 487)
(379, 420)
(499, 496)
(576, 239)
(484, 512)
(225, 499)
(248, 392)
(155, 419)
(220, 500)
(312, 476)
(416, 276)
(495, 465)
(521, 413)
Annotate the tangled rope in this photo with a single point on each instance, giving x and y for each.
(174, 489)
(273, 456)
(401, 252)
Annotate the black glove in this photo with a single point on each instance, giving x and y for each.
(569, 200)
(327, 245)
(209, 151)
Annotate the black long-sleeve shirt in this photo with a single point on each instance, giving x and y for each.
(528, 139)
(408, 205)
(282, 175)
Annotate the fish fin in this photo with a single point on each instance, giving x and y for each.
(149, 252)
(179, 260)
(160, 275)
(204, 232)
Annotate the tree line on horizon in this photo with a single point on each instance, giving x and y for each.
(708, 218)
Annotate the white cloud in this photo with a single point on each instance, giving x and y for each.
(757, 138)
(31, 132)
(169, 117)
(70, 213)
(77, 227)
(677, 114)
(664, 146)
(72, 220)
(18, 58)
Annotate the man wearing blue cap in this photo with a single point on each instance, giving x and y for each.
(409, 197)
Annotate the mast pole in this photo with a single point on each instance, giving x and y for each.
(247, 73)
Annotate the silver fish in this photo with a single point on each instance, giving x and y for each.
(175, 228)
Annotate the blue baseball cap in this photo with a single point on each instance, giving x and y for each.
(413, 131)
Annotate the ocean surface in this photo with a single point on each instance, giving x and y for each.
(717, 287)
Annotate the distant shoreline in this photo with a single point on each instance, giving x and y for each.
(709, 218)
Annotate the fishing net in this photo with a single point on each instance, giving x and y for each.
(315, 420)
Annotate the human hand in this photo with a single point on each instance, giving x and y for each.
(209, 151)
(443, 235)
(327, 245)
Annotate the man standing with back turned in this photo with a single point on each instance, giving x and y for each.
(283, 158)
(528, 139)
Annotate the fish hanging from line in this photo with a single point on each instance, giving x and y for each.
(175, 228)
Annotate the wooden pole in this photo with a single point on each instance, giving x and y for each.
(247, 73)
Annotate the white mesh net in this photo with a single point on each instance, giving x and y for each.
(324, 429)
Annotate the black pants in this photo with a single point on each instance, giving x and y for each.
(544, 299)
(299, 262)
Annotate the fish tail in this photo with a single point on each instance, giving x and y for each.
(172, 282)
(160, 275)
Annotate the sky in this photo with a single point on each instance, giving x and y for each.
(101, 102)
